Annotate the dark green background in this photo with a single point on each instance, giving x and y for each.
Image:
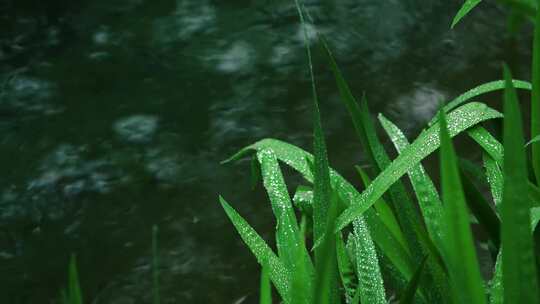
(114, 115)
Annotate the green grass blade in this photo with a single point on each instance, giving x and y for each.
(326, 282)
(74, 288)
(519, 268)
(371, 286)
(480, 90)
(266, 287)
(325, 202)
(359, 114)
(300, 161)
(426, 193)
(365, 130)
(489, 143)
(494, 178)
(464, 10)
(412, 286)
(155, 266)
(496, 151)
(460, 119)
(287, 231)
(384, 212)
(535, 97)
(431, 208)
(459, 247)
(300, 291)
(278, 273)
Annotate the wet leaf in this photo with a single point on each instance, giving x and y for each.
(494, 178)
(424, 189)
(287, 231)
(277, 271)
(428, 141)
(460, 254)
(325, 201)
(519, 266)
(365, 129)
(300, 161)
(383, 211)
(480, 90)
(370, 286)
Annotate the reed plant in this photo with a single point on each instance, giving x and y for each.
(335, 244)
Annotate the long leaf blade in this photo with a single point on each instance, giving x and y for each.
(278, 273)
(518, 262)
(370, 284)
(459, 247)
(464, 10)
(287, 231)
(365, 130)
(300, 160)
(426, 193)
(459, 120)
(484, 88)
(324, 201)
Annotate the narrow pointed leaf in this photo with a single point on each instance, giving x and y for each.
(300, 161)
(426, 193)
(325, 202)
(365, 130)
(495, 150)
(277, 271)
(459, 120)
(480, 90)
(326, 276)
(464, 10)
(287, 233)
(300, 290)
(494, 178)
(74, 288)
(371, 286)
(519, 267)
(460, 254)
(383, 211)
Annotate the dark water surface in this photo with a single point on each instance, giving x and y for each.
(114, 115)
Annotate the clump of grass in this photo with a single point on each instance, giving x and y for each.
(374, 246)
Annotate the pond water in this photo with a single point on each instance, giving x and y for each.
(116, 114)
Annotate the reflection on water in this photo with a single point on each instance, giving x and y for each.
(115, 115)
